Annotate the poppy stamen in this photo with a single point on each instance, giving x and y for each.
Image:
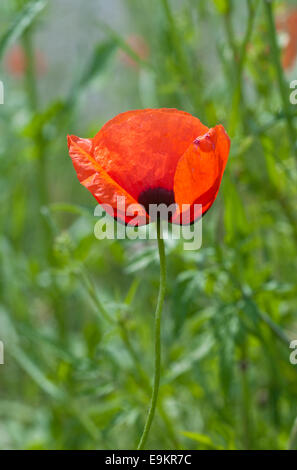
(156, 196)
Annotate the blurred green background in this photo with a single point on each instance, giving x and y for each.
(76, 313)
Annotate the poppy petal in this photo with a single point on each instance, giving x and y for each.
(200, 169)
(91, 175)
(140, 149)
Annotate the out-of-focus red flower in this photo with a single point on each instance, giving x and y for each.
(288, 24)
(152, 156)
(16, 63)
(138, 46)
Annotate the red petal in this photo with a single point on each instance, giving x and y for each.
(96, 180)
(140, 149)
(200, 170)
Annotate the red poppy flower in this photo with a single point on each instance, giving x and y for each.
(139, 47)
(152, 156)
(16, 62)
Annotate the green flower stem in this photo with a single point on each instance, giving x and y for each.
(30, 71)
(40, 147)
(246, 398)
(144, 381)
(283, 87)
(239, 58)
(158, 314)
(183, 67)
(90, 288)
(293, 437)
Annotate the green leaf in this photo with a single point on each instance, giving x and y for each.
(182, 366)
(96, 65)
(223, 6)
(21, 23)
(200, 438)
(236, 223)
(39, 120)
(132, 291)
(123, 44)
(71, 209)
(35, 373)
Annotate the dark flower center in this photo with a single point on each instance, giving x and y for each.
(154, 197)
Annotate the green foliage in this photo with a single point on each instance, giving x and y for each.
(21, 23)
(76, 313)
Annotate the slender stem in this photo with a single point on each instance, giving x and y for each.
(239, 58)
(158, 314)
(88, 283)
(183, 66)
(146, 383)
(246, 398)
(293, 437)
(283, 88)
(182, 60)
(126, 339)
(33, 103)
(30, 71)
